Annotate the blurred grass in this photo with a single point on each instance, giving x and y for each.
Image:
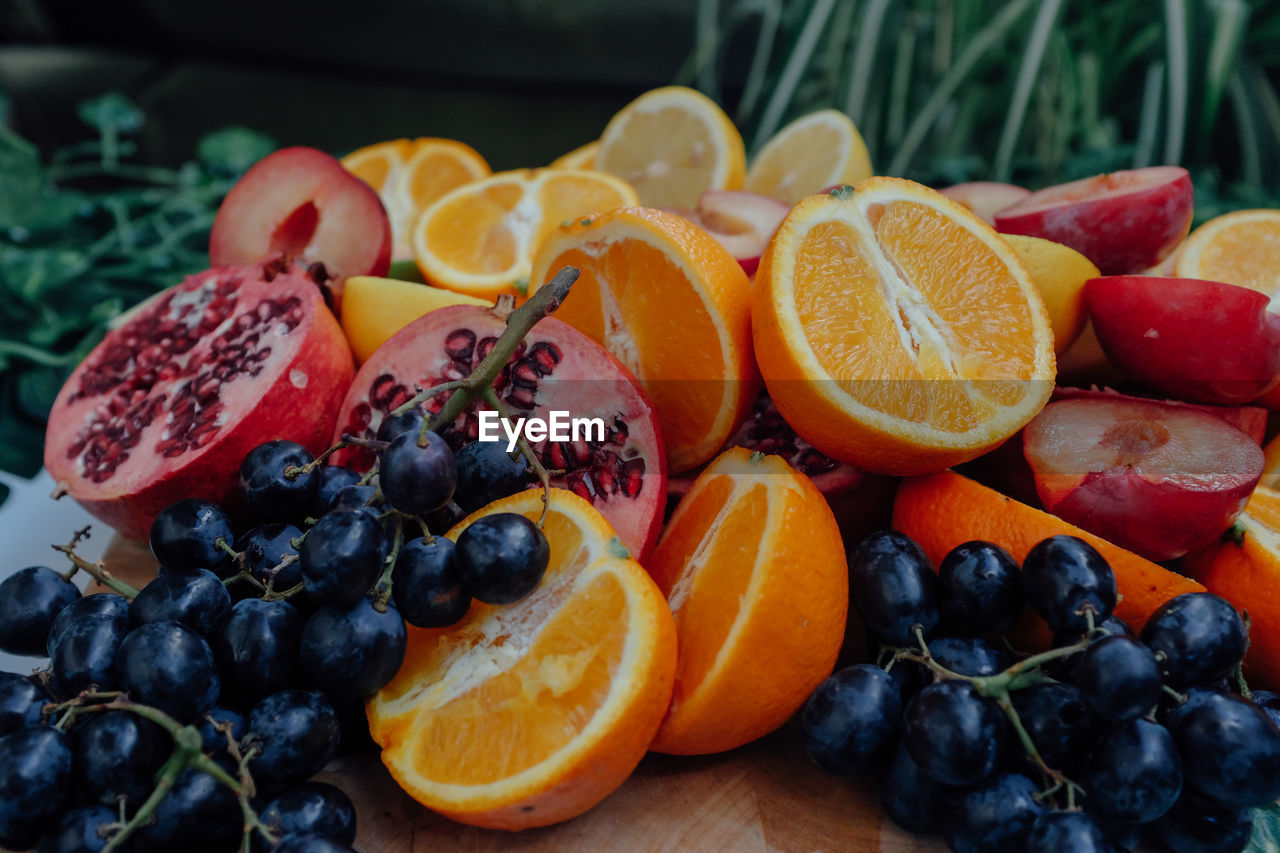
(1029, 91)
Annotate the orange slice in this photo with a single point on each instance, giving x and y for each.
(814, 152)
(671, 144)
(1240, 248)
(1246, 572)
(897, 331)
(672, 305)
(531, 713)
(379, 165)
(480, 238)
(582, 157)
(943, 510)
(754, 571)
(374, 309)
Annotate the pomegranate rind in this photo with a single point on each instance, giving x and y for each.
(294, 397)
(587, 382)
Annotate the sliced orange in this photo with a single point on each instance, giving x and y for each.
(531, 713)
(374, 309)
(754, 571)
(480, 238)
(674, 306)
(943, 510)
(582, 157)
(1246, 572)
(816, 151)
(672, 144)
(410, 174)
(1240, 248)
(897, 331)
(1059, 273)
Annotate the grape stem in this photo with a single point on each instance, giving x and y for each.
(165, 781)
(544, 476)
(97, 571)
(382, 588)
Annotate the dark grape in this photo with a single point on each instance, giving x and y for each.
(1229, 747)
(980, 588)
(911, 678)
(271, 491)
(486, 472)
(35, 779)
(85, 653)
(341, 557)
(971, 656)
(116, 754)
(30, 599)
(1059, 832)
(265, 547)
(910, 798)
(215, 741)
(199, 815)
(333, 479)
(257, 648)
(427, 584)
(1268, 701)
(1060, 722)
(954, 734)
(1199, 825)
(81, 831)
(1200, 637)
(1119, 677)
(1134, 772)
(1064, 668)
(184, 536)
(851, 719)
(1064, 578)
(106, 604)
(312, 807)
(893, 587)
(417, 478)
(502, 557)
(352, 497)
(355, 649)
(21, 700)
(169, 666)
(397, 424)
(297, 733)
(306, 842)
(197, 599)
(994, 817)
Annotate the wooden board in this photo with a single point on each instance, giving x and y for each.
(765, 796)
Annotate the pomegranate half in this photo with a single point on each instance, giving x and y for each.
(169, 403)
(556, 368)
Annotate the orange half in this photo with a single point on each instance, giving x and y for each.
(672, 305)
(897, 331)
(530, 713)
(1242, 248)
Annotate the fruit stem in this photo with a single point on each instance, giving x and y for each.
(383, 586)
(543, 302)
(349, 440)
(283, 595)
(1241, 684)
(1177, 697)
(96, 570)
(165, 780)
(491, 397)
(1057, 779)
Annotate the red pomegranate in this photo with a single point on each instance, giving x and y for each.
(860, 501)
(169, 403)
(556, 368)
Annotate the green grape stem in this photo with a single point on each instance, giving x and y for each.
(382, 589)
(97, 571)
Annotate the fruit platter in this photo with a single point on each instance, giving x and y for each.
(658, 499)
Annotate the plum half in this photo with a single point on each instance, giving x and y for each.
(1158, 479)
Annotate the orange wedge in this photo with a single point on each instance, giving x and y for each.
(897, 331)
(814, 152)
(672, 305)
(1240, 248)
(531, 713)
(1246, 572)
(943, 510)
(480, 238)
(374, 309)
(754, 571)
(410, 174)
(582, 157)
(672, 144)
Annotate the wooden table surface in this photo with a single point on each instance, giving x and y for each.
(766, 796)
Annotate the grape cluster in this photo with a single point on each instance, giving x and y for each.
(191, 714)
(1087, 747)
